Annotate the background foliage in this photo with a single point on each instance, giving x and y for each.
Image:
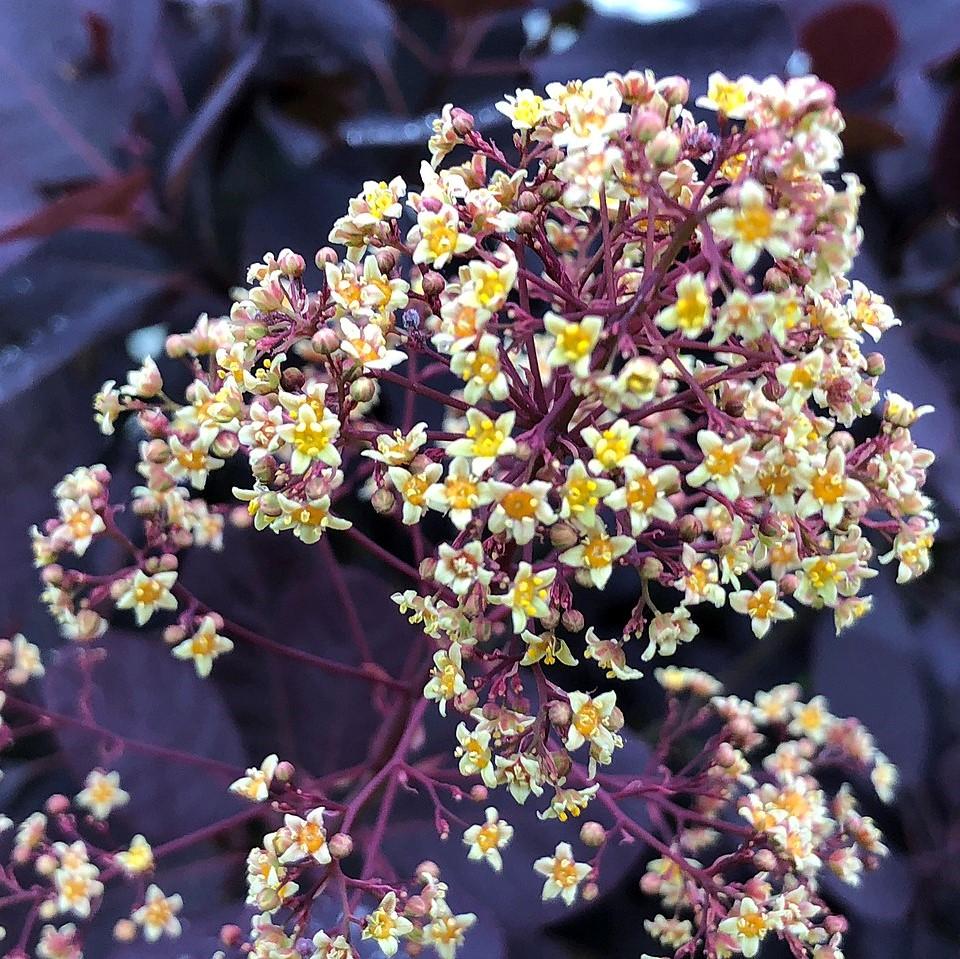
(151, 149)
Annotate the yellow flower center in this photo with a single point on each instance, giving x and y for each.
(564, 873)
(641, 493)
(753, 224)
(827, 487)
(574, 341)
(722, 462)
(147, 592)
(519, 504)
(752, 925)
(310, 438)
(587, 719)
(597, 553)
(489, 837)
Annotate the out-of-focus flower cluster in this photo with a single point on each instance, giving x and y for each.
(644, 359)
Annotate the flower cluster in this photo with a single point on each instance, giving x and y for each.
(642, 358)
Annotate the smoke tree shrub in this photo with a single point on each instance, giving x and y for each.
(636, 353)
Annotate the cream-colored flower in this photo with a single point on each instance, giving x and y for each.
(563, 874)
(762, 605)
(597, 553)
(413, 487)
(644, 494)
(547, 648)
(485, 841)
(385, 927)
(158, 915)
(753, 226)
(102, 794)
(145, 594)
(255, 785)
(137, 858)
(203, 646)
(519, 510)
(573, 342)
(690, 314)
(485, 440)
(308, 838)
(528, 596)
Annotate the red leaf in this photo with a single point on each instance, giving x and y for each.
(851, 44)
(113, 197)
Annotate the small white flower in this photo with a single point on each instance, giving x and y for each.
(486, 841)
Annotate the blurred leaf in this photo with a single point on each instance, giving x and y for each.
(741, 36)
(142, 693)
(851, 44)
(113, 197)
(63, 109)
(867, 134)
(322, 29)
(888, 696)
(73, 289)
(946, 155)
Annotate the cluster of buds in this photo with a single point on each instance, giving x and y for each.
(637, 354)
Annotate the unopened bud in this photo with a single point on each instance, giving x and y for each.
(264, 469)
(325, 341)
(326, 254)
(876, 364)
(386, 260)
(561, 762)
(428, 868)
(231, 935)
(461, 121)
(675, 90)
(340, 845)
(615, 720)
(689, 528)
(765, 860)
(225, 445)
(559, 713)
(526, 223)
(284, 771)
(550, 191)
(415, 907)
(125, 930)
(479, 793)
(433, 283)
(563, 535)
(46, 864)
(664, 148)
(572, 620)
(590, 891)
(174, 634)
(382, 500)
(592, 834)
(57, 804)
(646, 125)
(527, 202)
(290, 263)
(291, 379)
(467, 701)
(363, 390)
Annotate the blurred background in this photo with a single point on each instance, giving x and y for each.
(151, 149)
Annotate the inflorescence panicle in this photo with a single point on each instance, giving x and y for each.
(643, 358)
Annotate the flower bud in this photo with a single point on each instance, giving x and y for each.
(416, 907)
(646, 125)
(386, 260)
(382, 500)
(57, 804)
(176, 346)
(592, 834)
(550, 191)
(479, 793)
(48, 909)
(765, 860)
(125, 930)
(466, 701)
(773, 390)
(225, 445)
(675, 90)
(292, 379)
(428, 868)
(461, 121)
(290, 263)
(664, 148)
(46, 864)
(528, 201)
(559, 713)
(325, 341)
(563, 535)
(652, 568)
(157, 451)
(572, 620)
(363, 390)
(841, 439)
(433, 283)
(264, 469)
(526, 223)
(284, 771)
(689, 528)
(615, 720)
(231, 935)
(788, 584)
(174, 634)
(561, 761)
(326, 254)
(776, 280)
(876, 364)
(340, 845)
(590, 891)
